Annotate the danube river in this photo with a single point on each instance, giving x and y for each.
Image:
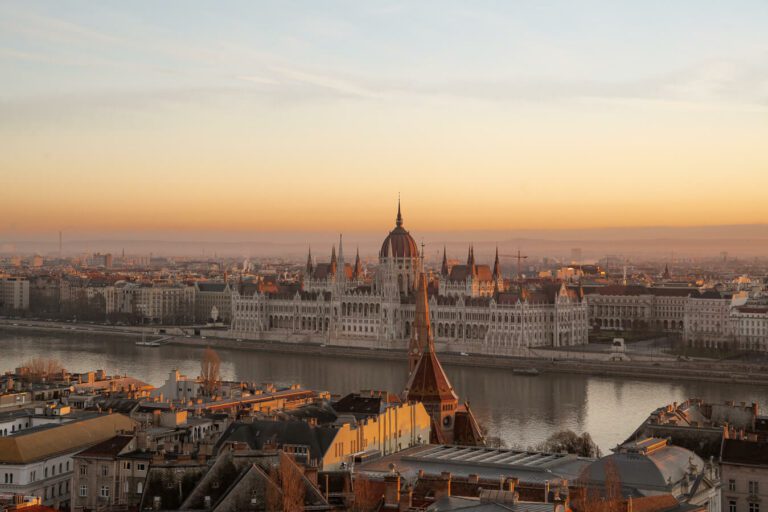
(521, 410)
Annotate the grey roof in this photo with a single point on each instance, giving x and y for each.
(476, 504)
(531, 467)
(257, 433)
(652, 471)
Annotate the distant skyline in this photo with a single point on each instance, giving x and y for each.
(249, 117)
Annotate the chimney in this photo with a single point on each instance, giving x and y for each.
(561, 496)
(443, 485)
(406, 499)
(392, 490)
(512, 484)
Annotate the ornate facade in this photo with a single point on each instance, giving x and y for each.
(471, 311)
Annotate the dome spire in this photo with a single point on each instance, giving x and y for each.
(399, 220)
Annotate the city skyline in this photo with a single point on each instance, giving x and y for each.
(186, 119)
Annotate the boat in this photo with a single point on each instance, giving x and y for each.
(525, 371)
(145, 343)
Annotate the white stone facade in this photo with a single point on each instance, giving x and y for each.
(340, 311)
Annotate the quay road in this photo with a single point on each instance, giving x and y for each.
(577, 362)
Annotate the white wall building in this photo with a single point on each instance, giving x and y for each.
(14, 294)
(334, 307)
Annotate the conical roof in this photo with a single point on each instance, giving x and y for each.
(428, 381)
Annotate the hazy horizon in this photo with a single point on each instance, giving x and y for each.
(653, 241)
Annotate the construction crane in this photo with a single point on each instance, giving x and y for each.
(519, 257)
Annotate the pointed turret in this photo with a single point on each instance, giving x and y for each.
(666, 274)
(471, 267)
(496, 265)
(444, 266)
(399, 219)
(357, 272)
(333, 260)
(309, 262)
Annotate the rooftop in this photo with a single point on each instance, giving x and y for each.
(529, 466)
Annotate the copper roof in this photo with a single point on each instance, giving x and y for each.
(399, 243)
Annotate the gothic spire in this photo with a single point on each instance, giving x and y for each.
(309, 262)
(399, 220)
(496, 266)
(444, 267)
(357, 272)
(333, 260)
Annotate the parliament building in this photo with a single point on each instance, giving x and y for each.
(471, 308)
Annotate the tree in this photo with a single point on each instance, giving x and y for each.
(292, 484)
(210, 376)
(41, 368)
(570, 442)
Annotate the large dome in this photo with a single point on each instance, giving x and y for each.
(399, 242)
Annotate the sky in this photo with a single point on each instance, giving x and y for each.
(252, 117)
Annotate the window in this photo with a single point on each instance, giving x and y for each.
(140, 467)
(104, 470)
(33, 475)
(731, 485)
(754, 507)
(104, 491)
(731, 505)
(139, 487)
(83, 491)
(753, 489)
(83, 470)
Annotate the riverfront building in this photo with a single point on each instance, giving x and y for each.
(471, 308)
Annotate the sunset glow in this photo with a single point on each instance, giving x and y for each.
(175, 116)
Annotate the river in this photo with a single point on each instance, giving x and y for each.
(521, 410)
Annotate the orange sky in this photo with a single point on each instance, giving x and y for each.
(317, 123)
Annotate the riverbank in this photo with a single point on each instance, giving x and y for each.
(575, 363)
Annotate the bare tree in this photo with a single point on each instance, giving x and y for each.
(210, 376)
(292, 483)
(42, 368)
(570, 442)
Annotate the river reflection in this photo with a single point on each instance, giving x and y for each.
(521, 410)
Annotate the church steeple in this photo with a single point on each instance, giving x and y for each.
(428, 382)
(421, 335)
